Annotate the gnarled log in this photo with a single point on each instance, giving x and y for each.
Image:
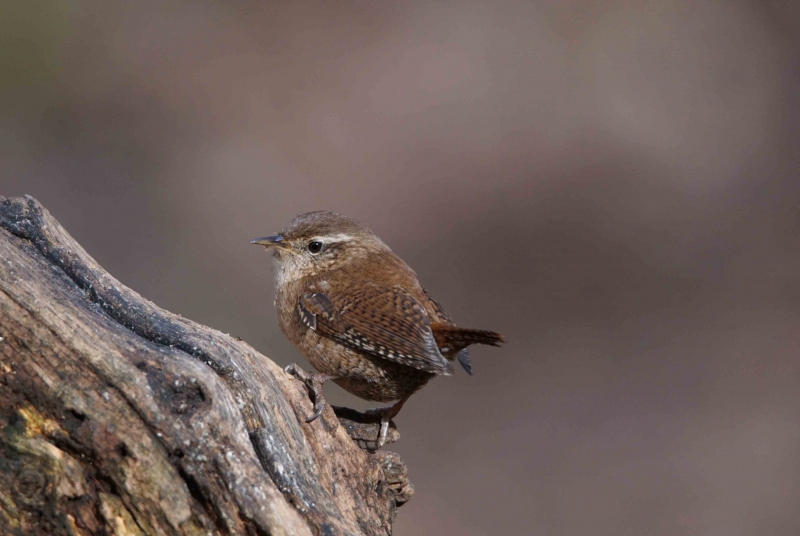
(117, 417)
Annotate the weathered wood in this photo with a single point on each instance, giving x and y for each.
(117, 417)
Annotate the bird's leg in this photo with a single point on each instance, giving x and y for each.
(314, 382)
(387, 414)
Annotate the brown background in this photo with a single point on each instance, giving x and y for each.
(613, 185)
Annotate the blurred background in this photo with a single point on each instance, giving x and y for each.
(612, 185)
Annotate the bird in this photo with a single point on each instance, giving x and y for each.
(357, 312)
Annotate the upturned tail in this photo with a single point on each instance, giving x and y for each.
(453, 340)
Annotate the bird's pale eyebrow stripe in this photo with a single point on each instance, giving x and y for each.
(338, 237)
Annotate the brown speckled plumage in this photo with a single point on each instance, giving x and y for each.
(357, 312)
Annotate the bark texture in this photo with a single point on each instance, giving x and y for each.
(117, 417)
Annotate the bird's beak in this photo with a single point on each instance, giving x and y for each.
(269, 241)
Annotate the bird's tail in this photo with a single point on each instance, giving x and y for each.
(451, 339)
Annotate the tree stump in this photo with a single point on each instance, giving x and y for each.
(121, 418)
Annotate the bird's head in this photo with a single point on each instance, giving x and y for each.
(315, 242)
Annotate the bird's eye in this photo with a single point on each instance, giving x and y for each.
(315, 246)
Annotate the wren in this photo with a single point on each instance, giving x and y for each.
(357, 312)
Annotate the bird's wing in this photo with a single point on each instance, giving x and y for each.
(385, 322)
(463, 355)
(440, 312)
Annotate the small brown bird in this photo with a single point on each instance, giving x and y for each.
(356, 311)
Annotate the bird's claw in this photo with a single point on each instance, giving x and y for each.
(313, 382)
(386, 416)
(295, 370)
(364, 427)
(319, 405)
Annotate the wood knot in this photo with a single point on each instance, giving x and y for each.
(29, 486)
(187, 396)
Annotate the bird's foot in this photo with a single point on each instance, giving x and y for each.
(313, 382)
(386, 414)
(384, 429)
(364, 428)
